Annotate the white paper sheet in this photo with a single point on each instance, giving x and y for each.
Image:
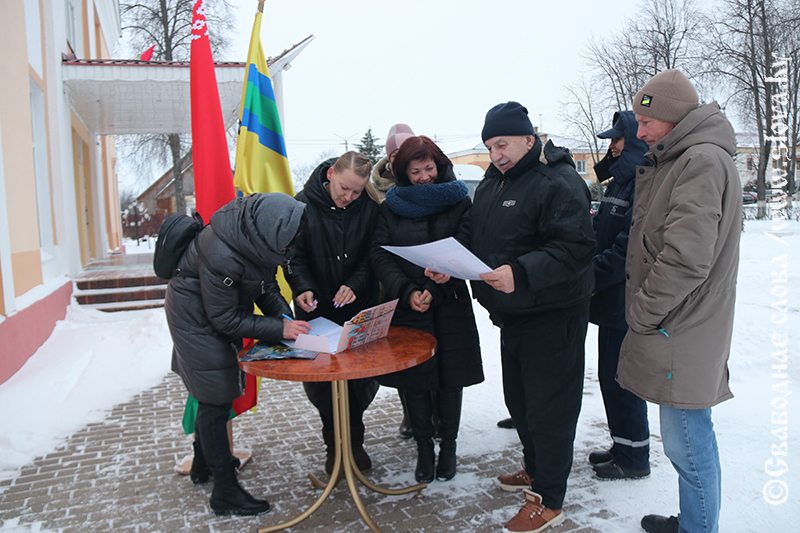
(447, 256)
(323, 337)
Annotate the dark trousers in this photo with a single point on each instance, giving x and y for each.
(543, 362)
(422, 405)
(211, 433)
(626, 413)
(360, 391)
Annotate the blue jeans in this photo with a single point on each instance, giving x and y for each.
(691, 445)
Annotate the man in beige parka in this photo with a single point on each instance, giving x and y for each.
(682, 262)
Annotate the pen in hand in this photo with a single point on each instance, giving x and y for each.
(287, 317)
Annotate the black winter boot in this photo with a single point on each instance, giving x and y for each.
(200, 472)
(446, 466)
(425, 461)
(228, 497)
(362, 460)
(405, 426)
(449, 407)
(419, 414)
(330, 449)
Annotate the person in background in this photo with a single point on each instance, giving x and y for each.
(330, 277)
(230, 266)
(531, 224)
(382, 177)
(680, 293)
(382, 180)
(626, 413)
(426, 205)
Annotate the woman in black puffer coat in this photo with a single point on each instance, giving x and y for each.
(429, 204)
(331, 278)
(229, 266)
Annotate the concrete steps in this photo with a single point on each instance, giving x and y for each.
(121, 285)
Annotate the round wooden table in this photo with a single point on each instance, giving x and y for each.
(402, 348)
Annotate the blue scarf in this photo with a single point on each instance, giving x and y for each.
(418, 201)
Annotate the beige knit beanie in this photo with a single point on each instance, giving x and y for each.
(668, 96)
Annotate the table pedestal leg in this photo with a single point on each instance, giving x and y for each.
(344, 463)
(337, 468)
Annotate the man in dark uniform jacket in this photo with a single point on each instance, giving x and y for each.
(531, 224)
(629, 456)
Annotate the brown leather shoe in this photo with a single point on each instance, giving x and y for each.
(534, 517)
(516, 481)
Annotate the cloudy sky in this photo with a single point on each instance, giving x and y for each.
(436, 65)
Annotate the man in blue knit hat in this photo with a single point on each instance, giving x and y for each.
(531, 224)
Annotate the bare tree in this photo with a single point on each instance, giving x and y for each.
(663, 34)
(748, 38)
(302, 171)
(585, 114)
(667, 32)
(791, 50)
(793, 115)
(168, 26)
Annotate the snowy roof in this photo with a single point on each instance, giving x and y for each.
(468, 172)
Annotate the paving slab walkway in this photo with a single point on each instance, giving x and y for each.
(118, 475)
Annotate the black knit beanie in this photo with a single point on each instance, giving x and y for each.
(510, 118)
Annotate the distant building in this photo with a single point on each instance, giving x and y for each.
(470, 174)
(747, 154)
(478, 156)
(159, 198)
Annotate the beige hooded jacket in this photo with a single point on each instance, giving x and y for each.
(682, 262)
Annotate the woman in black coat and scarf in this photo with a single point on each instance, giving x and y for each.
(429, 204)
(229, 266)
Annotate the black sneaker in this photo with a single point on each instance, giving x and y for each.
(654, 523)
(600, 456)
(612, 470)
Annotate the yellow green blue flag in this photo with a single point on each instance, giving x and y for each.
(261, 162)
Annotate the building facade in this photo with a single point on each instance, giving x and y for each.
(58, 196)
(62, 101)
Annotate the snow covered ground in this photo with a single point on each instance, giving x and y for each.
(66, 385)
(144, 245)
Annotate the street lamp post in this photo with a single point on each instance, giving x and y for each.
(346, 140)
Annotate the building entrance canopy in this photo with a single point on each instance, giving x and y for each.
(119, 97)
(114, 97)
